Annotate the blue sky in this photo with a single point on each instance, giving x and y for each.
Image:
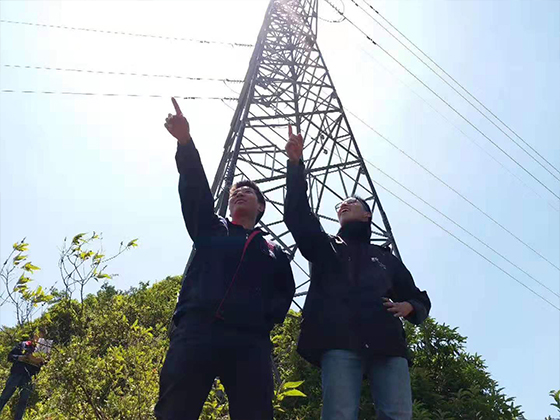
(74, 164)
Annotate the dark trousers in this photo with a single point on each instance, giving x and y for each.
(15, 381)
(202, 350)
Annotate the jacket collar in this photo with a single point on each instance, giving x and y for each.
(355, 232)
(240, 228)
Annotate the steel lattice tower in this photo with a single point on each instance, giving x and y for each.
(288, 83)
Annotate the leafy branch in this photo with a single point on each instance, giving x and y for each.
(79, 264)
(16, 289)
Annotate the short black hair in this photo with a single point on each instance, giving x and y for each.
(256, 189)
(364, 204)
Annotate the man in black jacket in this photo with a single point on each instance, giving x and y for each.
(24, 367)
(358, 292)
(236, 288)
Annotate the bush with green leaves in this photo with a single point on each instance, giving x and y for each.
(447, 382)
(109, 348)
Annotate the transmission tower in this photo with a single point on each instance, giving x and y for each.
(288, 83)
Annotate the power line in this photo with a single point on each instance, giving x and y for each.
(460, 85)
(445, 102)
(435, 176)
(103, 31)
(463, 117)
(459, 93)
(462, 228)
(468, 246)
(452, 189)
(335, 21)
(465, 230)
(454, 236)
(120, 73)
(128, 95)
(223, 99)
(458, 129)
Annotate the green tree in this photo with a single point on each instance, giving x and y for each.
(447, 382)
(16, 289)
(79, 264)
(110, 346)
(451, 383)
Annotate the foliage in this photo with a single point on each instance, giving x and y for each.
(216, 405)
(109, 349)
(110, 369)
(447, 382)
(79, 264)
(556, 397)
(451, 383)
(16, 290)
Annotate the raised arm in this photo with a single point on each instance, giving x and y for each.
(304, 226)
(194, 191)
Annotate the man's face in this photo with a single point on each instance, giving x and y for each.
(351, 210)
(243, 202)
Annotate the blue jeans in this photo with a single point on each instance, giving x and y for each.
(342, 373)
(15, 381)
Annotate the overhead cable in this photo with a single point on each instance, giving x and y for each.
(462, 228)
(460, 130)
(128, 95)
(452, 189)
(467, 245)
(447, 103)
(104, 31)
(120, 73)
(448, 75)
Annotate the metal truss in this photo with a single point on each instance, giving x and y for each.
(288, 83)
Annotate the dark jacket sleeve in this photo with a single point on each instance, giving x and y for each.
(304, 226)
(196, 199)
(406, 291)
(284, 287)
(15, 352)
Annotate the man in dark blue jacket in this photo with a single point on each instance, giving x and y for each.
(24, 367)
(236, 288)
(358, 292)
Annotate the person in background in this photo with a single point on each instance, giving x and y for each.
(24, 367)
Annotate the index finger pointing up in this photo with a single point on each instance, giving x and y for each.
(176, 105)
(289, 130)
